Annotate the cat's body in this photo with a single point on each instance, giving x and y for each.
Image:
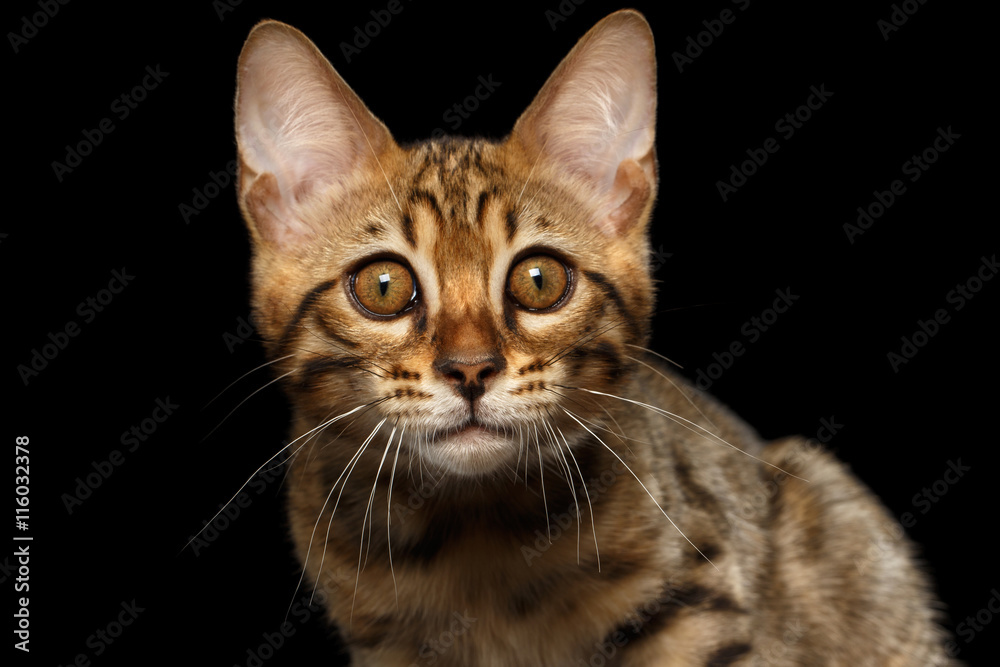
(477, 582)
(459, 326)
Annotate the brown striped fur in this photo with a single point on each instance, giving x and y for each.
(496, 515)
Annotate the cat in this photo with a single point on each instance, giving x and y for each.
(487, 466)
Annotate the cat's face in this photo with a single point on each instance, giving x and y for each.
(461, 290)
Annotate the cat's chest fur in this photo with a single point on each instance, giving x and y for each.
(487, 466)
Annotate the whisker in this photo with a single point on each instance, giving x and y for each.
(370, 147)
(352, 464)
(312, 536)
(679, 390)
(569, 480)
(541, 152)
(586, 494)
(343, 350)
(280, 377)
(541, 476)
(620, 434)
(274, 456)
(520, 450)
(527, 456)
(615, 454)
(388, 516)
(370, 519)
(655, 354)
(230, 385)
(581, 341)
(678, 419)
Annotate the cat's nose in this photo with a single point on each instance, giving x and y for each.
(469, 377)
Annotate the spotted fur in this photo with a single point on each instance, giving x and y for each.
(474, 483)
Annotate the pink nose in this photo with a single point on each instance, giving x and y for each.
(469, 377)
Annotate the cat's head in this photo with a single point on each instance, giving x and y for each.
(461, 289)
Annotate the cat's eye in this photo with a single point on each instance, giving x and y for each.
(384, 287)
(538, 282)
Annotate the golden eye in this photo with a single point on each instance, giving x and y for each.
(383, 287)
(538, 282)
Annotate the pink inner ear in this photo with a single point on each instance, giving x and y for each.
(598, 111)
(629, 193)
(276, 224)
(291, 120)
(297, 121)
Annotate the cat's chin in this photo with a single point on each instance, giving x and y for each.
(470, 452)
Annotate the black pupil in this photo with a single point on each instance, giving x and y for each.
(536, 275)
(383, 283)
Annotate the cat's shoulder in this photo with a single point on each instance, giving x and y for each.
(840, 548)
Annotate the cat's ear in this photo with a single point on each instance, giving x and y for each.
(300, 130)
(595, 118)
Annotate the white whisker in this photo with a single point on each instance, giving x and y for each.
(369, 518)
(280, 377)
(679, 390)
(569, 480)
(662, 511)
(230, 385)
(347, 471)
(388, 516)
(655, 354)
(678, 419)
(372, 149)
(274, 456)
(541, 476)
(586, 494)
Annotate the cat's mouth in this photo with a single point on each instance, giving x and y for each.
(469, 430)
(470, 448)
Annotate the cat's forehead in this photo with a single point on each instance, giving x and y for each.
(455, 169)
(438, 160)
(480, 188)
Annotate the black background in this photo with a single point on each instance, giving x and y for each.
(721, 262)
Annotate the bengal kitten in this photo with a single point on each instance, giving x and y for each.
(487, 466)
